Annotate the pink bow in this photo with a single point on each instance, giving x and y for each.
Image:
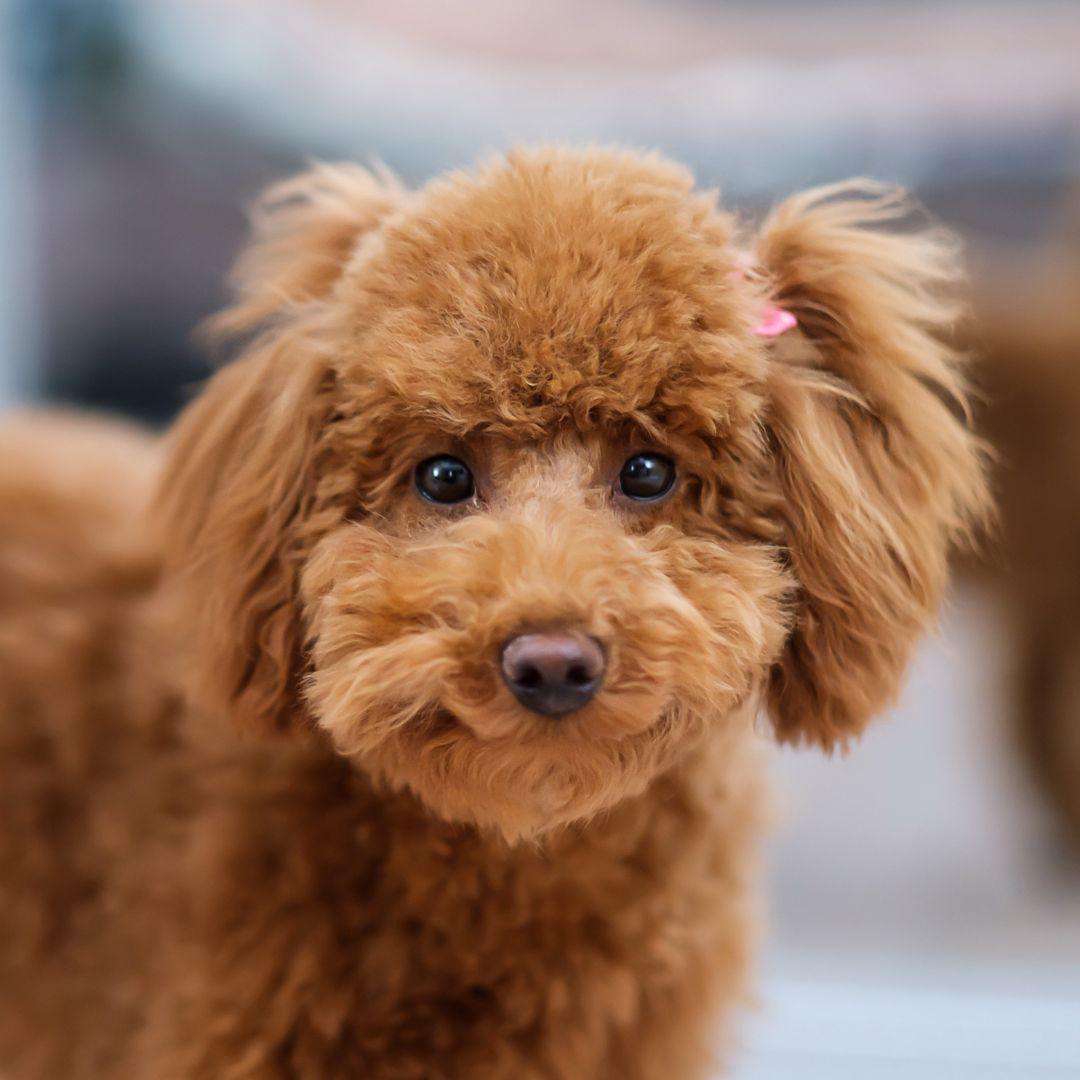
(775, 320)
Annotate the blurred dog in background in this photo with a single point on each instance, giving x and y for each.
(1029, 341)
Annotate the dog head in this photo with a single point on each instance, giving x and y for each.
(506, 495)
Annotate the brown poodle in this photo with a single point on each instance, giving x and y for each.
(1029, 341)
(395, 718)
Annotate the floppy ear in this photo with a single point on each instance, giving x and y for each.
(878, 468)
(240, 501)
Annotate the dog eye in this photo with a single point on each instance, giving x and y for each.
(647, 476)
(444, 479)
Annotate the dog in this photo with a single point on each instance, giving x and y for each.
(1027, 338)
(396, 715)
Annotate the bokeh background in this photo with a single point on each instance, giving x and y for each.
(925, 891)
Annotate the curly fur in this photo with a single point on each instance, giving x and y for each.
(393, 871)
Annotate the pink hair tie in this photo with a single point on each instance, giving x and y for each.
(776, 320)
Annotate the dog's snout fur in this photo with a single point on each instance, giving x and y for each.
(553, 673)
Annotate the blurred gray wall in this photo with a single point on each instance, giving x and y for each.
(18, 318)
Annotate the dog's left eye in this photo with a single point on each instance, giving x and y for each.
(648, 476)
(444, 479)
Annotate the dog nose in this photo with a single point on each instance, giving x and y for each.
(553, 673)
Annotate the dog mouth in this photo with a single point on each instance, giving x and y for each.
(593, 724)
(473, 754)
(530, 782)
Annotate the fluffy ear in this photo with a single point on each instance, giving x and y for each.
(240, 502)
(879, 470)
(305, 228)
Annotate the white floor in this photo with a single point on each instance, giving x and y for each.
(923, 927)
(866, 1027)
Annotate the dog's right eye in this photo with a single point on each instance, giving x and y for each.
(444, 479)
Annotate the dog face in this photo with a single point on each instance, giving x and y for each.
(508, 498)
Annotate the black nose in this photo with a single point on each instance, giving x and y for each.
(553, 673)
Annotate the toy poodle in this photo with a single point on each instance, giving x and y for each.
(396, 716)
(1028, 338)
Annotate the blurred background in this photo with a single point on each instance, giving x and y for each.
(925, 891)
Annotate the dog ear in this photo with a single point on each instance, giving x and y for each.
(304, 230)
(240, 501)
(879, 470)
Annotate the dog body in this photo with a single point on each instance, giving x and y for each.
(492, 543)
(181, 904)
